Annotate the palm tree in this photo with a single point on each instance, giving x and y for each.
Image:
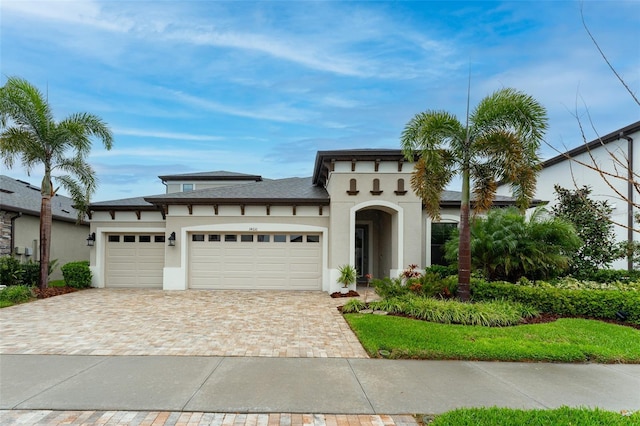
(31, 135)
(498, 143)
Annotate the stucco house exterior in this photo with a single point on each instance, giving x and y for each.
(20, 225)
(221, 230)
(616, 154)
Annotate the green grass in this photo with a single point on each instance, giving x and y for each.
(565, 340)
(563, 416)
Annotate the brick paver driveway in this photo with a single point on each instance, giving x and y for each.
(193, 322)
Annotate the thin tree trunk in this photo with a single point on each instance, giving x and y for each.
(464, 245)
(45, 240)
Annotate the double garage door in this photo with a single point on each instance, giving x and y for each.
(134, 260)
(288, 261)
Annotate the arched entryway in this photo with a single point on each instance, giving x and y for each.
(376, 245)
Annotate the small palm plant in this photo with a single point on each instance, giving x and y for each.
(348, 275)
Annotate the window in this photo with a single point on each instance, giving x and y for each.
(114, 238)
(197, 237)
(376, 187)
(158, 239)
(230, 238)
(186, 187)
(246, 238)
(440, 234)
(353, 187)
(145, 238)
(278, 238)
(214, 237)
(295, 238)
(313, 238)
(400, 190)
(129, 239)
(263, 238)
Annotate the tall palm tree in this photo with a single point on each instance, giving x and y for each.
(498, 143)
(31, 135)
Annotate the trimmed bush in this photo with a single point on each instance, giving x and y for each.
(607, 304)
(353, 305)
(31, 273)
(77, 274)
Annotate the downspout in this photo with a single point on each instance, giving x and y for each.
(13, 231)
(630, 218)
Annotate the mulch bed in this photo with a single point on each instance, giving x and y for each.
(53, 291)
(351, 293)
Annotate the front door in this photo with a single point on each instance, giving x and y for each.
(362, 251)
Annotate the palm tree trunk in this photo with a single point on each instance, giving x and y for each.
(464, 245)
(45, 239)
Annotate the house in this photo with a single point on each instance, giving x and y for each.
(617, 154)
(221, 230)
(20, 225)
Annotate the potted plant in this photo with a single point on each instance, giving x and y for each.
(348, 276)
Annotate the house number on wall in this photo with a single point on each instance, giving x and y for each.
(253, 229)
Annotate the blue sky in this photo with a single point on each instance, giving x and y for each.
(259, 87)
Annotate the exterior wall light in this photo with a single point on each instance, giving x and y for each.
(91, 239)
(172, 239)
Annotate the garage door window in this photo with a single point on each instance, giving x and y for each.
(279, 238)
(145, 238)
(230, 238)
(114, 238)
(214, 237)
(246, 238)
(294, 238)
(197, 237)
(313, 238)
(129, 239)
(263, 238)
(158, 239)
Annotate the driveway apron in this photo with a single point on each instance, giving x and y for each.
(185, 323)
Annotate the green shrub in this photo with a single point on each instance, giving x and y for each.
(77, 274)
(31, 273)
(10, 271)
(613, 275)
(442, 271)
(491, 314)
(353, 305)
(390, 287)
(16, 294)
(605, 304)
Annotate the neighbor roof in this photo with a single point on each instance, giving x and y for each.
(278, 191)
(613, 136)
(20, 196)
(220, 175)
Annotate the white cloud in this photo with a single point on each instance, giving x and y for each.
(165, 135)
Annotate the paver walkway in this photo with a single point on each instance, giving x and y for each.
(185, 323)
(166, 418)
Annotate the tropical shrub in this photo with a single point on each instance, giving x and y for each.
(606, 304)
(353, 305)
(77, 274)
(30, 273)
(506, 246)
(16, 294)
(10, 271)
(432, 283)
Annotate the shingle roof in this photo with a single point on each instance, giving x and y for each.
(289, 190)
(134, 202)
(20, 196)
(219, 175)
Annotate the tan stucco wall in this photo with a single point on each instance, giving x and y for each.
(68, 242)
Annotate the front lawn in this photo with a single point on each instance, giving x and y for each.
(565, 340)
(563, 416)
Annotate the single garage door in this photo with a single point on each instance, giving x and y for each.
(134, 260)
(283, 261)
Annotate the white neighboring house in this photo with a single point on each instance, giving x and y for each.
(623, 145)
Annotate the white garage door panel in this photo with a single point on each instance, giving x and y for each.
(134, 264)
(255, 265)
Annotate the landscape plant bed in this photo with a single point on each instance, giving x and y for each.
(350, 293)
(52, 291)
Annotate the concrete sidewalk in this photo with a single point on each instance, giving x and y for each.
(305, 385)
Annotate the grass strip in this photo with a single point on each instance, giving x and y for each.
(565, 340)
(563, 416)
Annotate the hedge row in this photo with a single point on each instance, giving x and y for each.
(606, 304)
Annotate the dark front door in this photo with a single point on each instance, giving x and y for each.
(362, 251)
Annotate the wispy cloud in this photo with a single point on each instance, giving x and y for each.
(165, 135)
